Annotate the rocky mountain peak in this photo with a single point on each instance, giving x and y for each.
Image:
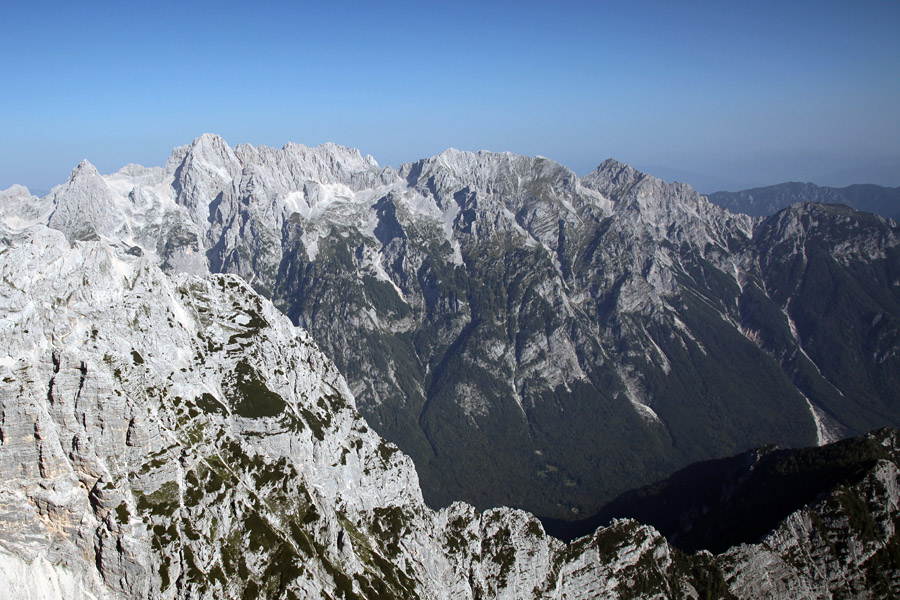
(495, 181)
(20, 209)
(847, 234)
(84, 207)
(294, 165)
(836, 219)
(15, 191)
(208, 145)
(620, 181)
(612, 175)
(207, 166)
(212, 153)
(665, 209)
(84, 169)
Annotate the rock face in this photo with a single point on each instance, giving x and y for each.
(180, 438)
(175, 436)
(529, 337)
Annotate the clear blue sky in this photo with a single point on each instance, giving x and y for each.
(743, 92)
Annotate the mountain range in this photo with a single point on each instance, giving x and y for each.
(765, 201)
(528, 337)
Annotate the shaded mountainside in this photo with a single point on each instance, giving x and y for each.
(175, 436)
(530, 338)
(765, 201)
(718, 504)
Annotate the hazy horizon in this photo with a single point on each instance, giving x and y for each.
(720, 96)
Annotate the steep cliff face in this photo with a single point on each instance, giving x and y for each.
(175, 436)
(527, 336)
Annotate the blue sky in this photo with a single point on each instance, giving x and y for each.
(719, 94)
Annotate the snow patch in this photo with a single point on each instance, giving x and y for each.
(295, 203)
(311, 243)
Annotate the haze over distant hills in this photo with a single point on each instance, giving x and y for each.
(744, 176)
(764, 201)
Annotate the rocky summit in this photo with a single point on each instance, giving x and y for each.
(528, 337)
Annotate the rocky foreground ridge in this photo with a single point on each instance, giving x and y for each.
(529, 337)
(175, 436)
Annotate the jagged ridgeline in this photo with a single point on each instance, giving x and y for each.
(530, 338)
(175, 437)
